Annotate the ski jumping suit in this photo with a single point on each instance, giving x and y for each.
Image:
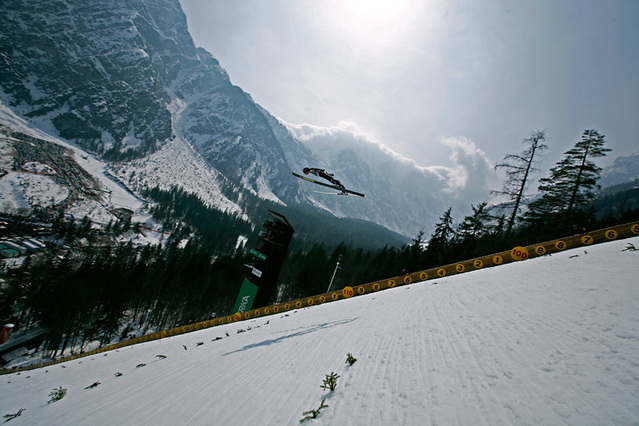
(322, 173)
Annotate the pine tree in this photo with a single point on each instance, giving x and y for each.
(439, 242)
(415, 252)
(518, 169)
(572, 182)
(475, 226)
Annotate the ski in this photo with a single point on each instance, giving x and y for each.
(343, 191)
(330, 193)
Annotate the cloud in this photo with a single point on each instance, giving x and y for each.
(470, 176)
(346, 135)
(418, 195)
(472, 172)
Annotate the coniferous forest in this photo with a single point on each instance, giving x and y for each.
(104, 290)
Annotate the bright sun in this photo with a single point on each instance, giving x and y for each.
(373, 19)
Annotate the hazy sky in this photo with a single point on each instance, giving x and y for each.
(413, 73)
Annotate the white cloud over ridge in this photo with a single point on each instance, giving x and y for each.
(343, 134)
(417, 194)
(471, 170)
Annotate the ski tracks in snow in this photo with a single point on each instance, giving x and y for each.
(533, 350)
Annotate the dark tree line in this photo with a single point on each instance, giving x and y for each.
(86, 295)
(185, 214)
(567, 199)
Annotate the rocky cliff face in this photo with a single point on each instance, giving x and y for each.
(96, 71)
(123, 77)
(228, 129)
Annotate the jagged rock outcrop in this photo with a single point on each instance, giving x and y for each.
(123, 77)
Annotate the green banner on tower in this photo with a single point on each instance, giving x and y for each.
(246, 297)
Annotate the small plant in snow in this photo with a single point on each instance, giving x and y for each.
(118, 374)
(94, 385)
(161, 356)
(312, 414)
(57, 395)
(330, 382)
(8, 417)
(140, 365)
(350, 359)
(199, 344)
(630, 247)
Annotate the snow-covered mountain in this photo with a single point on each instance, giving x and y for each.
(123, 80)
(622, 170)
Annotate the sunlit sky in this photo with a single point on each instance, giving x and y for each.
(412, 73)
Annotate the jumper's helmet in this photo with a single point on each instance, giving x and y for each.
(306, 170)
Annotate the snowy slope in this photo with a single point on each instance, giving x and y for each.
(551, 340)
(174, 164)
(45, 189)
(177, 164)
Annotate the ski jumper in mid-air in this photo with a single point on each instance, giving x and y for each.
(322, 173)
(334, 183)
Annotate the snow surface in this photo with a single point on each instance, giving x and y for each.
(551, 340)
(42, 189)
(176, 163)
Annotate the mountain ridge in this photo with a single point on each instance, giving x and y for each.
(126, 82)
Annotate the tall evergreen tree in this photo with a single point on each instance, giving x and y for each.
(518, 169)
(572, 182)
(439, 242)
(475, 226)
